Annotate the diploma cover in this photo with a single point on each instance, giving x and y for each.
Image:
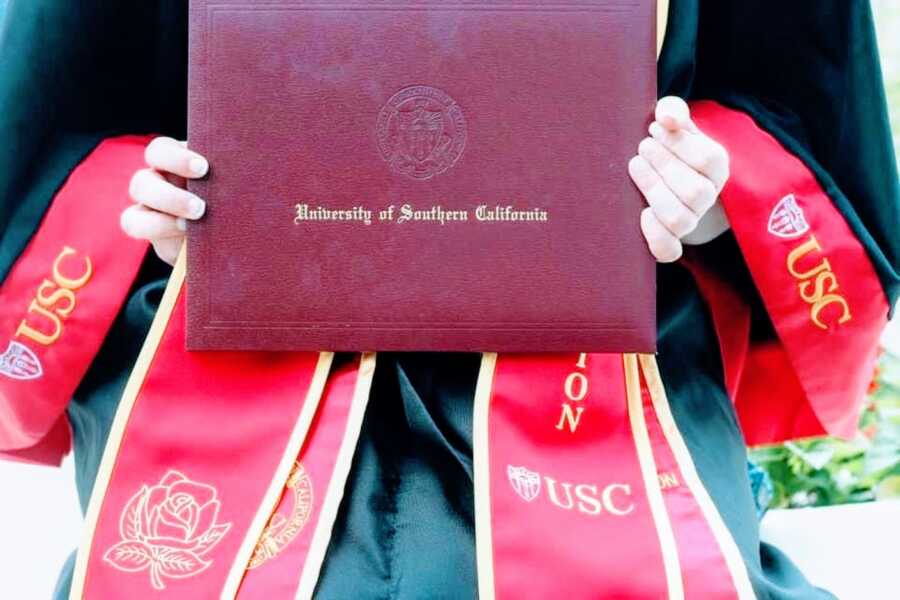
(425, 175)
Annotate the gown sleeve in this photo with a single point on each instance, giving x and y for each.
(817, 280)
(76, 78)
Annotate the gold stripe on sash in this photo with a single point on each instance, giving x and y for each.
(669, 548)
(279, 479)
(309, 576)
(123, 413)
(733, 559)
(662, 22)
(484, 548)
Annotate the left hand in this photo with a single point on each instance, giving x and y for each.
(680, 171)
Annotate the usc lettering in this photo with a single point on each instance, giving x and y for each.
(590, 499)
(55, 299)
(818, 285)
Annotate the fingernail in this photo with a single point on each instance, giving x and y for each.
(181, 224)
(196, 207)
(656, 130)
(198, 166)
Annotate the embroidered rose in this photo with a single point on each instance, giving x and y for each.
(168, 529)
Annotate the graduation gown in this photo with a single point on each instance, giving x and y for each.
(737, 318)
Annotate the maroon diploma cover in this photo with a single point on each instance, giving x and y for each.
(420, 175)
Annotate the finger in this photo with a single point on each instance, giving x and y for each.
(700, 152)
(168, 249)
(150, 188)
(674, 114)
(142, 223)
(669, 210)
(171, 156)
(664, 246)
(693, 189)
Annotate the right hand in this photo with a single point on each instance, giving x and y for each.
(162, 205)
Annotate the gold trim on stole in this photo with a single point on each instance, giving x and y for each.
(662, 23)
(123, 413)
(669, 548)
(727, 546)
(315, 557)
(276, 487)
(484, 547)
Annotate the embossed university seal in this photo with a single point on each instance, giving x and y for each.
(288, 520)
(421, 132)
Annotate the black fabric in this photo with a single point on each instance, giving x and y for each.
(406, 526)
(72, 73)
(692, 373)
(807, 70)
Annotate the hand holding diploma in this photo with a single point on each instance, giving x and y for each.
(162, 206)
(679, 170)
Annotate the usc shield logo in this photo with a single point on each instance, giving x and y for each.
(18, 362)
(527, 484)
(787, 219)
(421, 132)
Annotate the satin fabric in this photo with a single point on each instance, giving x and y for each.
(405, 529)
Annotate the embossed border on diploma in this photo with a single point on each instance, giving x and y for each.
(459, 334)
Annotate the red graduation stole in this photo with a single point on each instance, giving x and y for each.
(581, 475)
(217, 460)
(816, 280)
(230, 488)
(61, 297)
(224, 471)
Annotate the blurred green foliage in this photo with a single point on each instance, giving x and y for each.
(887, 21)
(826, 471)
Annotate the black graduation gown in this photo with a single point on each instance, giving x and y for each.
(74, 75)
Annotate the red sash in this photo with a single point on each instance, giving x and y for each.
(712, 566)
(568, 456)
(223, 472)
(817, 283)
(199, 452)
(60, 299)
(292, 548)
(580, 475)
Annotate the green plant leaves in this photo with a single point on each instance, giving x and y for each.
(825, 471)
